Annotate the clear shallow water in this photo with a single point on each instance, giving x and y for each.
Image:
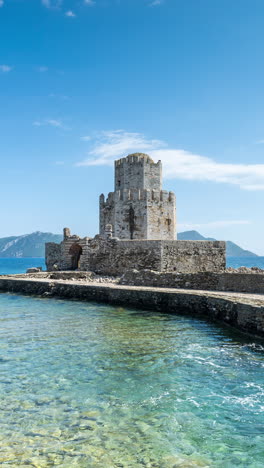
(91, 385)
(10, 266)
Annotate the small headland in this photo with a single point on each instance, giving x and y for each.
(208, 294)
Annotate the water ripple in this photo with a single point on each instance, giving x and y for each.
(87, 385)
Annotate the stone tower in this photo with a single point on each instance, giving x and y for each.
(139, 208)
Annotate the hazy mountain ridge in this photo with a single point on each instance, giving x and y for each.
(28, 245)
(33, 245)
(232, 249)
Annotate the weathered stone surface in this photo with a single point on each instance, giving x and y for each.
(114, 256)
(210, 281)
(243, 311)
(139, 208)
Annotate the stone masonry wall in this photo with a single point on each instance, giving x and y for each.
(52, 255)
(161, 215)
(138, 208)
(207, 281)
(139, 214)
(193, 256)
(137, 171)
(114, 256)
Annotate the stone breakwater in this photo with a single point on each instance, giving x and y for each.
(242, 311)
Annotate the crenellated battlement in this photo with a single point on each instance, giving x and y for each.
(137, 195)
(138, 208)
(136, 158)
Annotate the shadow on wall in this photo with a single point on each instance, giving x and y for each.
(75, 252)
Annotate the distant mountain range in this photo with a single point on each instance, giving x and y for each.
(232, 249)
(33, 245)
(29, 245)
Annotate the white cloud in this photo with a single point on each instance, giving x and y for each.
(214, 224)
(89, 2)
(177, 163)
(70, 14)
(51, 122)
(5, 68)
(1, 3)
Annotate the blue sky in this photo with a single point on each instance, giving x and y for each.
(85, 82)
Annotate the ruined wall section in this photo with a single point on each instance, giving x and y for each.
(53, 257)
(60, 256)
(106, 211)
(193, 256)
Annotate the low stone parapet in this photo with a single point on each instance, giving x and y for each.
(228, 281)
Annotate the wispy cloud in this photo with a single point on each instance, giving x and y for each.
(89, 2)
(70, 14)
(50, 122)
(156, 3)
(5, 68)
(42, 69)
(214, 224)
(177, 163)
(51, 3)
(63, 97)
(1, 3)
(86, 138)
(112, 144)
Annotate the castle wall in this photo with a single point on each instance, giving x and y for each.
(161, 216)
(138, 209)
(193, 256)
(114, 257)
(139, 214)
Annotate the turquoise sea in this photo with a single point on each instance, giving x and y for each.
(88, 385)
(20, 265)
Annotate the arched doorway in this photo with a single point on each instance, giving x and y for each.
(75, 252)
